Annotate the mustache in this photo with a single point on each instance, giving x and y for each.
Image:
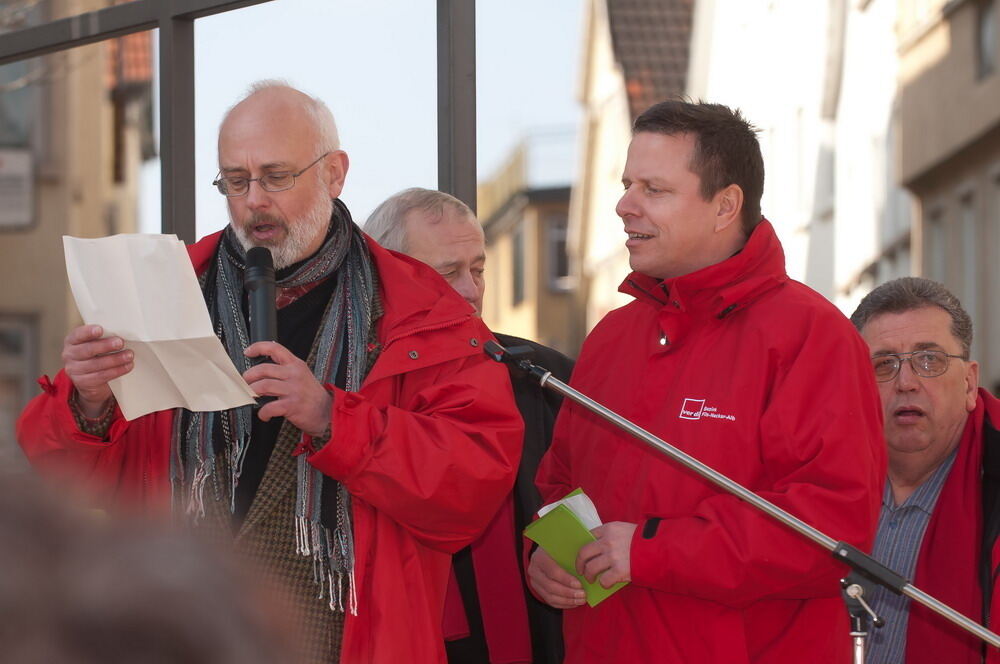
(259, 218)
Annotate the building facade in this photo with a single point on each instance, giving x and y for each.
(530, 291)
(949, 87)
(880, 127)
(635, 53)
(879, 123)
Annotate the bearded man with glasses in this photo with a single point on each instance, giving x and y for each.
(940, 510)
(391, 439)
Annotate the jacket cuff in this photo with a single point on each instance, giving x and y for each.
(61, 411)
(649, 557)
(95, 426)
(351, 418)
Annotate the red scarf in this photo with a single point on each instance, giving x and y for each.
(948, 562)
(501, 594)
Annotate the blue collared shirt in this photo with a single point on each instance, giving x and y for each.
(897, 543)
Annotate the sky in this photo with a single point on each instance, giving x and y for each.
(374, 63)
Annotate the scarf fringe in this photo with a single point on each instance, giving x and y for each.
(331, 565)
(196, 496)
(237, 454)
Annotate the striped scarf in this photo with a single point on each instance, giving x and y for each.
(346, 332)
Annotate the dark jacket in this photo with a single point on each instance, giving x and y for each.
(538, 407)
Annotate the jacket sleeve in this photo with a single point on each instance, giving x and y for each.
(127, 469)
(821, 441)
(440, 460)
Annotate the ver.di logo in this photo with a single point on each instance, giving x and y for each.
(695, 409)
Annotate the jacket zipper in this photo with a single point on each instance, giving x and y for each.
(649, 294)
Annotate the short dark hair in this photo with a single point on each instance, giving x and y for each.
(909, 293)
(726, 148)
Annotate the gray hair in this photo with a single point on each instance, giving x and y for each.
(909, 293)
(385, 225)
(319, 112)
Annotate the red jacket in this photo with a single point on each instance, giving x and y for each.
(428, 449)
(952, 565)
(764, 380)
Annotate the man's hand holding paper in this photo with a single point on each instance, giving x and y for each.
(141, 291)
(91, 361)
(607, 559)
(554, 585)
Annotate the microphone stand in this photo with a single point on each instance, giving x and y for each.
(853, 590)
(864, 566)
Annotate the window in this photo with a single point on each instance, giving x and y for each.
(970, 265)
(19, 89)
(517, 268)
(993, 225)
(935, 246)
(986, 38)
(558, 264)
(17, 372)
(21, 122)
(17, 188)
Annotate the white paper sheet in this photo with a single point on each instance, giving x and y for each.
(581, 505)
(143, 289)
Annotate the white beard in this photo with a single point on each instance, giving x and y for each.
(298, 236)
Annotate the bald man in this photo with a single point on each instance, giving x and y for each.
(391, 439)
(490, 615)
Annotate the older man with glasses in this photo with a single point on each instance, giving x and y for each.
(390, 441)
(940, 509)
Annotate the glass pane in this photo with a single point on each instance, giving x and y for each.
(18, 81)
(526, 84)
(373, 63)
(85, 115)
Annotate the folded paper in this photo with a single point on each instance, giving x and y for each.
(143, 289)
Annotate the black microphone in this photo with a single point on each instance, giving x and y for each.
(258, 280)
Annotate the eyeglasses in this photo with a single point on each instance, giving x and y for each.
(925, 363)
(272, 182)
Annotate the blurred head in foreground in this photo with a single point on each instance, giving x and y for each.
(79, 589)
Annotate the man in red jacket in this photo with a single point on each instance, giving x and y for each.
(722, 355)
(940, 513)
(391, 439)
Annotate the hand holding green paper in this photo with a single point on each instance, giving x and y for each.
(562, 529)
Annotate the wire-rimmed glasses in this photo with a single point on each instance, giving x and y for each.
(232, 186)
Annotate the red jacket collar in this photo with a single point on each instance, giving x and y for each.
(201, 252)
(720, 288)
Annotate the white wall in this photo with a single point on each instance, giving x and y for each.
(830, 171)
(872, 210)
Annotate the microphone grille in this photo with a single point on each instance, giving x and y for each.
(260, 257)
